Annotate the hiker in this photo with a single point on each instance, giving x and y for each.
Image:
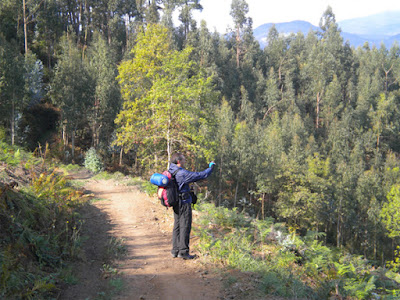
(183, 211)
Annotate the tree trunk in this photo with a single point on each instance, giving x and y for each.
(338, 233)
(169, 146)
(220, 180)
(120, 156)
(95, 128)
(12, 121)
(262, 206)
(73, 143)
(64, 134)
(236, 192)
(318, 103)
(25, 27)
(237, 47)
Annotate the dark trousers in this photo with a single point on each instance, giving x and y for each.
(182, 228)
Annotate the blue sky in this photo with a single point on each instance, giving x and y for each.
(216, 12)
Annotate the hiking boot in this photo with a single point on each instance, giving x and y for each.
(186, 256)
(174, 255)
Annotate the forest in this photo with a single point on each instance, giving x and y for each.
(305, 131)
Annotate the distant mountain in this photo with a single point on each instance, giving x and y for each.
(376, 29)
(375, 26)
(261, 32)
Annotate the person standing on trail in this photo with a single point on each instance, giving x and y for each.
(183, 211)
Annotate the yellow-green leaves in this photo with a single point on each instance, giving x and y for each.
(163, 92)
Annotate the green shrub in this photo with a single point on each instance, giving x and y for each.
(148, 188)
(92, 161)
(41, 221)
(2, 133)
(298, 267)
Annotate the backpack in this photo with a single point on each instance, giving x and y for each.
(167, 188)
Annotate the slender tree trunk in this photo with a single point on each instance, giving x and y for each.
(375, 244)
(318, 103)
(13, 121)
(25, 27)
(80, 24)
(237, 47)
(73, 143)
(87, 18)
(169, 136)
(262, 206)
(95, 124)
(64, 134)
(120, 156)
(108, 28)
(98, 135)
(220, 180)
(236, 192)
(338, 233)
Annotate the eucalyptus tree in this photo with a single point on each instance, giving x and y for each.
(71, 89)
(277, 55)
(271, 148)
(223, 150)
(327, 58)
(390, 212)
(11, 85)
(186, 15)
(107, 99)
(228, 81)
(49, 28)
(244, 149)
(239, 10)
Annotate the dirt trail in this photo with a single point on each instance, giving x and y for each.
(147, 269)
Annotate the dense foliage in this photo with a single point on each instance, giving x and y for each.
(305, 130)
(281, 263)
(40, 226)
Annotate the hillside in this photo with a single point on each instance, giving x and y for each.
(376, 29)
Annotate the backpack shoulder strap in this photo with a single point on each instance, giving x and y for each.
(173, 174)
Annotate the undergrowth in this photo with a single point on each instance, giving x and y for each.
(39, 226)
(286, 264)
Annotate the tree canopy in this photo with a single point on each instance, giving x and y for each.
(305, 130)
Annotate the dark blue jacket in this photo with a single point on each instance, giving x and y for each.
(184, 177)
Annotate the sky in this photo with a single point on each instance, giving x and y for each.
(216, 12)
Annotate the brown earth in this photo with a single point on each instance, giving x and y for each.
(126, 220)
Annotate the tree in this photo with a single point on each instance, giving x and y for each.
(391, 212)
(33, 77)
(71, 90)
(223, 138)
(185, 15)
(107, 98)
(239, 10)
(11, 84)
(244, 148)
(380, 117)
(165, 98)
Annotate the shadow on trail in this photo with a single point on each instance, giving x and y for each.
(87, 279)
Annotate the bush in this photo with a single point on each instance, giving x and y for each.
(40, 233)
(92, 161)
(2, 133)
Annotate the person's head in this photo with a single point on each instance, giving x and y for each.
(178, 159)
